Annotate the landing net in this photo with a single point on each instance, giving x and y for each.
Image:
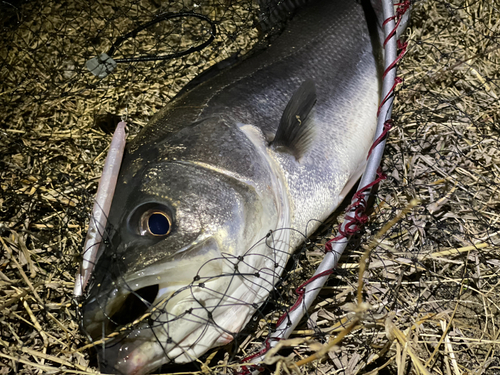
(429, 290)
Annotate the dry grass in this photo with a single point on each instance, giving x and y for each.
(430, 301)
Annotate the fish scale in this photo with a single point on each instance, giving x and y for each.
(346, 107)
(210, 163)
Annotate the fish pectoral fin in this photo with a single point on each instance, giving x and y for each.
(296, 129)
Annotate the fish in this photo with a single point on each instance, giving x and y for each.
(215, 193)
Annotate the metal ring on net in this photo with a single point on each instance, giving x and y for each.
(353, 221)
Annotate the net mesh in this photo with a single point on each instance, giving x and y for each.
(429, 290)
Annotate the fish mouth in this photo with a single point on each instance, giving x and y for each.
(123, 308)
(136, 304)
(138, 320)
(120, 301)
(176, 311)
(177, 334)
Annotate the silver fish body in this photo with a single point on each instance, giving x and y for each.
(206, 198)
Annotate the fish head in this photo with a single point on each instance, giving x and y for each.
(179, 273)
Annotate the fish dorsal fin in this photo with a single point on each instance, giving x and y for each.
(273, 13)
(296, 129)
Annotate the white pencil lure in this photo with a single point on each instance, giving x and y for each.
(100, 212)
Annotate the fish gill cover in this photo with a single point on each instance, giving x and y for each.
(430, 287)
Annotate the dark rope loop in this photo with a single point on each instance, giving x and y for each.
(163, 17)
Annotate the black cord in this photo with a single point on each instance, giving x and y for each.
(163, 17)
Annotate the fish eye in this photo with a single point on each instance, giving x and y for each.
(156, 223)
